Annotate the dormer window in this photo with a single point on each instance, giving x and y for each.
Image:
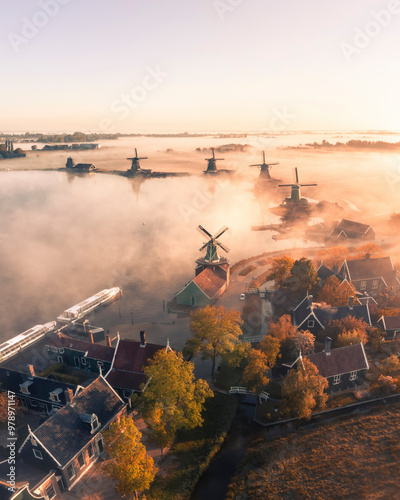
(91, 421)
(25, 386)
(310, 323)
(54, 395)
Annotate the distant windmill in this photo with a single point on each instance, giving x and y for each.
(212, 165)
(135, 167)
(295, 196)
(264, 168)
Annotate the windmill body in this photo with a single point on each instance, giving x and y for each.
(212, 163)
(264, 169)
(212, 258)
(135, 165)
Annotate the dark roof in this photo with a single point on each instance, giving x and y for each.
(341, 360)
(127, 371)
(210, 281)
(84, 166)
(95, 351)
(349, 226)
(391, 322)
(64, 434)
(324, 272)
(363, 269)
(39, 389)
(324, 313)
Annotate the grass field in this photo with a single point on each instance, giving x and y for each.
(354, 458)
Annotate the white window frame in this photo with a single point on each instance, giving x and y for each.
(363, 285)
(54, 349)
(353, 375)
(336, 379)
(375, 285)
(61, 350)
(33, 441)
(90, 448)
(73, 471)
(83, 460)
(310, 323)
(33, 403)
(24, 389)
(38, 454)
(54, 492)
(83, 361)
(60, 359)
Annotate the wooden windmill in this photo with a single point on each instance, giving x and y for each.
(264, 168)
(212, 258)
(212, 165)
(135, 165)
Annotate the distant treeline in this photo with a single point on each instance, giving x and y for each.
(353, 144)
(241, 148)
(57, 138)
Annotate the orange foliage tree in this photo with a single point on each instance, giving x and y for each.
(333, 256)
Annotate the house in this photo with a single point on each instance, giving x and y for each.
(80, 353)
(18, 492)
(206, 287)
(348, 229)
(84, 167)
(315, 316)
(391, 325)
(344, 367)
(70, 441)
(126, 374)
(371, 276)
(37, 394)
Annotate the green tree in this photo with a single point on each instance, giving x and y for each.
(303, 277)
(352, 337)
(280, 269)
(255, 375)
(128, 464)
(304, 389)
(173, 399)
(271, 347)
(216, 332)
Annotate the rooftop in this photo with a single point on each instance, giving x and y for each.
(210, 281)
(341, 360)
(95, 351)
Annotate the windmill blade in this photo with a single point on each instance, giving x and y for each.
(213, 152)
(258, 165)
(286, 185)
(220, 232)
(136, 152)
(204, 246)
(202, 230)
(224, 248)
(305, 185)
(297, 176)
(263, 156)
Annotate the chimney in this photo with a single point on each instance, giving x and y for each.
(328, 342)
(310, 300)
(142, 338)
(69, 395)
(108, 340)
(31, 371)
(368, 256)
(351, 303)
(91, 337)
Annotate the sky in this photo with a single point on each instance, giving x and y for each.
(204, 65)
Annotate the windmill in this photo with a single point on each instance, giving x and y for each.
(295, 196)
(264, 168)
(212, 166)
(211, 258)
(135, 166)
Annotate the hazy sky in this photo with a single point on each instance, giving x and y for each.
(156, 65)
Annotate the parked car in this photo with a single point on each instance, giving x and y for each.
(242, 296)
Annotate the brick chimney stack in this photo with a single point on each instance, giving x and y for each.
(328, 343)
(69, 395)
(142, 338)
(351, 302)
(108, 340)
(31, 370)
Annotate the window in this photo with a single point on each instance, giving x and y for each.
(90, 450)
(77, 362)
(61, 350)
(83, 361)
(33, 441)
(310, 323)
(60, 359)
(100, 445)
(54, 349)
(81, 460)
(375, 284)
(70, 471)
(127, 394)
(38, 454)
(363, 285)
(41, 405)
(353, 375)
(33, 402)
(54, 397)
(336, 379)
(193, 299)
(50, 492)
(95, 423)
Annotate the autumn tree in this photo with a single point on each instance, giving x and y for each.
(173, 399)
(335, 327)
(4, 403)
(216, 332)
(335, 293)
(304, 389)
(280, 269)
(352, 337)
(371, 249)
(271, 347)
(255, 375)
(302, 277)
(333, 256)
(282, 328)
(128, 464)
(390, 365)
(377, 339)
(302, 342)
(239, 353)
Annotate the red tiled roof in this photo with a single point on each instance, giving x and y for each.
(391, 322)
(131, 357)
(95, 351)
(372, 268)
(341, 360)
(210, 281)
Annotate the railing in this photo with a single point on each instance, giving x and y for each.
(243, 390)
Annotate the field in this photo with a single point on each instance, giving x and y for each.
(357, 457)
